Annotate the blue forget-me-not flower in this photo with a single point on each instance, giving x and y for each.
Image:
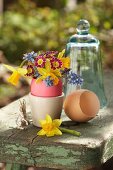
(73, 78)
(30, 56)
(48, 81)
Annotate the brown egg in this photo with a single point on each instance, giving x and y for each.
(81, 105)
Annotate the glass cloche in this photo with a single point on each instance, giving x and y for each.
(84, 51)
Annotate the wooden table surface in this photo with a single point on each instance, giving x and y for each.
(93, 147)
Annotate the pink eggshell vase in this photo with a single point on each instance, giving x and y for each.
(41, 90)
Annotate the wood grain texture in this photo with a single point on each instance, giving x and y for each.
(93, 147)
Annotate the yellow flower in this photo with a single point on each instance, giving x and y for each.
(17, 72)
(65, 60)
(47, 71)
(49, 127)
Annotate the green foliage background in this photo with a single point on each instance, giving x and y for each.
(26, 27)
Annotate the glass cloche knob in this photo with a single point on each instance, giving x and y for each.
(83, 27)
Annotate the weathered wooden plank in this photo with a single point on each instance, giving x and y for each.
(94, 147)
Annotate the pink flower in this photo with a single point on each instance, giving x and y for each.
(56, 63)
(40, 61)
(30, 70)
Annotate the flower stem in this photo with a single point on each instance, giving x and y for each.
(22, 63)
(73, 132)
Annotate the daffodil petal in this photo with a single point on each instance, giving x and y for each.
(57, 72)
(63, 51)
(42, 122)
(60, 55)
(57, 131)
(57, 122)
(48, 65)
(42, 71)
(66, 62)
(14, 78)
(50, 133)
(48, 119)
(41, 132)
(38, 80)
(56, 80)
(9, 67)
(22, 71)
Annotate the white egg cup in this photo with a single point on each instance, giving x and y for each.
(41, 106)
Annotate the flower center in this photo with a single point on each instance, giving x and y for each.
(29, 70)
(40, 61)
(48, 127)
(56, 64)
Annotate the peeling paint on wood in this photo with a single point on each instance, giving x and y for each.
(92, 148)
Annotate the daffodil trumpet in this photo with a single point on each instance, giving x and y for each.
(16, 74)
(50, 127)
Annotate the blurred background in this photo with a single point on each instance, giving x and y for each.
(27, 25)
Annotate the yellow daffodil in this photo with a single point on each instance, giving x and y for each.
(17, 72)
(65, 60)
(49, 127)
(47, 71)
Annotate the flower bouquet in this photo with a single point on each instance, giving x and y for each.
(46, 70)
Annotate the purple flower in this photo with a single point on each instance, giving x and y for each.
(30, 70)
(73, 78)
(30, 56)
(50, 54)
(65, 71)
(56, 63)
(40, 61)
